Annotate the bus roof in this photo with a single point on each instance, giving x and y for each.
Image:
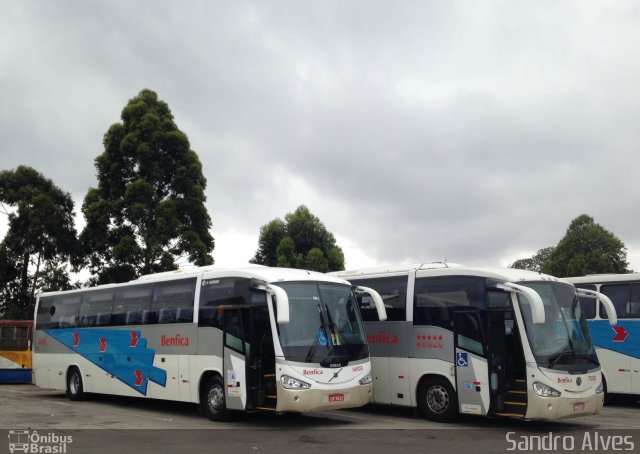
(602, 278)
(264, 273)
(442, 269)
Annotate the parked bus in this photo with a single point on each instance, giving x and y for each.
(618, 347)
(496, 342)
(253, 338)
(15, 351)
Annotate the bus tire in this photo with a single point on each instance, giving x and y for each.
(437, 400)
(75, 389)
(213, 399)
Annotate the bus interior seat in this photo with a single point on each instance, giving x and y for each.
(149, 317)
(88, 321)
(103, 319)
(133, 318)
(184, 315)
(118, 319)
(167, 315)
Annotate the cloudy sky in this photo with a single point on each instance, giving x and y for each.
(416, 131)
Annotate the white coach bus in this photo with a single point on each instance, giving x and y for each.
(618, 348)
(253, 338)
(497, 342)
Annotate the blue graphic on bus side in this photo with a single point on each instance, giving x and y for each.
(626, 340)
(121, 353)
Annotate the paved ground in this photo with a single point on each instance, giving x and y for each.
(115, 424)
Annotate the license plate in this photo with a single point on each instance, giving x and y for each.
(336, 397)
(579, 406)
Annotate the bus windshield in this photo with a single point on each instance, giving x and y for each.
(563, 340)
(324, 324)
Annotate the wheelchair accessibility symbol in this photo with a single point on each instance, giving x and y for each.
(462, 359)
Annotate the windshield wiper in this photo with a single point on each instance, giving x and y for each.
(322, 332)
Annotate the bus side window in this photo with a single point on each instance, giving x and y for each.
(44, 314)
(620, 295)
(393, 291)
(95, 309)
(170, 297)
(234, 335)
(130, 303)
(221, 291)
(588, 307)
(67, 311)
(436, 297)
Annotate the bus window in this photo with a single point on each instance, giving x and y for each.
(66, 311)
(45, 312)
(469, 329)
(14, 338)
(131, 304)
(95, 309)
(625, 298)
(221, 291)
(587, 305)
(436, 297)
(393, 291)
(173, 301)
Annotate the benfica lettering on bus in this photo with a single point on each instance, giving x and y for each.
(382, 337)
(175, 341)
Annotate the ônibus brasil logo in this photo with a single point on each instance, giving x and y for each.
(30, 441)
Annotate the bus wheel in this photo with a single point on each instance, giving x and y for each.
(437, 400)
(213, 402)
(75, 390)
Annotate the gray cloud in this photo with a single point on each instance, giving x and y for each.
(416, 131)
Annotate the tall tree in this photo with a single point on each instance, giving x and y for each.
(40, 243)
(148, 210)
(300, 241)
(587, 248)
(534, 263)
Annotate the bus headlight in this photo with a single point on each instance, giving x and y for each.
(600, 388)
(293, 383)
(367, 380)
(545, 391)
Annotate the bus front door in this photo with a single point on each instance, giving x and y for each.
(472, 374)
(261, 361)
(506, 361)
(234, 365)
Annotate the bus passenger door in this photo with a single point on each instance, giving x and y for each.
(261, 361)
(472, 370)
(234, 365)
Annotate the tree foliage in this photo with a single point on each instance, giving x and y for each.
(586, 248)
(534, 263)
(300, 241)
(40, 243)
(148, 210)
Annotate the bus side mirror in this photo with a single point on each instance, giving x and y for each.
(282, 304)
(377, 299)
(604, 299)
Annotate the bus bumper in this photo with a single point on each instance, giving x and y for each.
(563, 407)
(319, 399)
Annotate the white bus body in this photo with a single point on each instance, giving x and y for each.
(485, 341)
(618, 347)
(253, 338)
